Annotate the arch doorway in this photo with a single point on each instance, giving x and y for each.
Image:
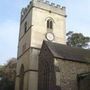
(21, 82)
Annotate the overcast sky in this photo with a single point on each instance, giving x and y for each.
(78, 20)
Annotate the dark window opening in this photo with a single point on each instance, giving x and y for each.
(49, 24)
(25, 27)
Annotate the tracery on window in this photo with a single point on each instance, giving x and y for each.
(46, 76)
(49, 24)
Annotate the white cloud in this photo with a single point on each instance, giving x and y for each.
(8, 40)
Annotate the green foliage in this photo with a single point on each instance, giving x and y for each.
(77, 40)
(7, 75)
(6, 84)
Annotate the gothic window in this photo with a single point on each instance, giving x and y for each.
(46, 76)
(25, 27)
(49, 24)
(21, 83)
(49, 78)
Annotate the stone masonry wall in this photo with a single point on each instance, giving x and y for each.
(68, 73)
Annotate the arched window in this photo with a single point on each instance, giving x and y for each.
(49, 24)
(21, 82)
(46, 76)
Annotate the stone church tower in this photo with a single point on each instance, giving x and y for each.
(40, 20)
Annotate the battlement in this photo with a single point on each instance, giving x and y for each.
(24, 10)
(43, 4)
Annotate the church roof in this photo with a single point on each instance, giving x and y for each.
(68, 53)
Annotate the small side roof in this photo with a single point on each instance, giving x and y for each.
(68, 53)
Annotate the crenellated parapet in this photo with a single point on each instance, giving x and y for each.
(25, 10)
(43, 5)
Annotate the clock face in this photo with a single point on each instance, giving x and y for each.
(50, 36)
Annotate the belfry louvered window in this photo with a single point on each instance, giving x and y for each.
(49, 24)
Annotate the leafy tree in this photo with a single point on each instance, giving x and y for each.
(7, 75)
(77, 40)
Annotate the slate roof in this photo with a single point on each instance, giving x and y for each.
(68, 53)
